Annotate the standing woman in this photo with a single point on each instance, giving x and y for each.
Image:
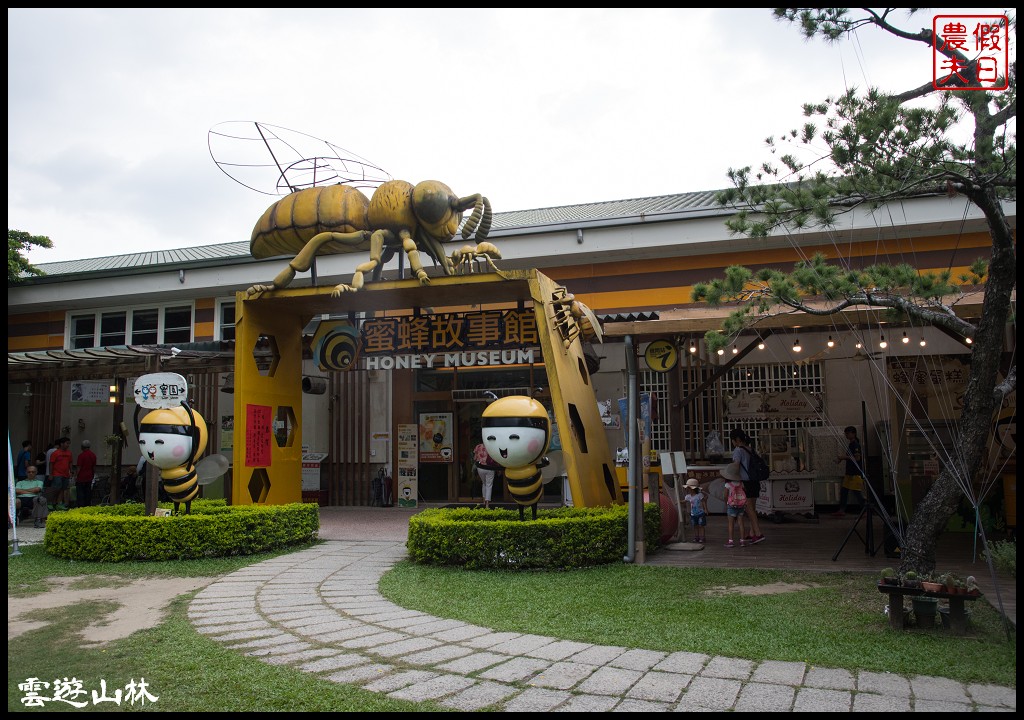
(741, 452)
(486, 468)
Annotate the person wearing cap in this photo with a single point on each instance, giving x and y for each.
(735, 512)
(86, 465)
(698, 509)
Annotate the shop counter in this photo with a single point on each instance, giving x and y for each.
(787, 493)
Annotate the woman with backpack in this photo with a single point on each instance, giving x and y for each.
(743, 454)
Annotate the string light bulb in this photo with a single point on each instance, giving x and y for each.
(859, 345)
(693, 346)
(760, 344)
(905, 339)
(831, 342)
(968, 340)
(882, 343)
(796, 345)
(923, 342)
(735, 350)
(721, 351)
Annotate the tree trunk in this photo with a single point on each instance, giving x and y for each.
(966, 459)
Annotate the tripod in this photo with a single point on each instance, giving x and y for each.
(872, 504)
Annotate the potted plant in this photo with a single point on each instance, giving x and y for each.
(931, 584)
(954, 583)
(888, 576)
(910, 580)
(971, 586)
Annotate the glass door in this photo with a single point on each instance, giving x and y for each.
(467, 418)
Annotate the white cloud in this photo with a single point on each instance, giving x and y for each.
(108, 110)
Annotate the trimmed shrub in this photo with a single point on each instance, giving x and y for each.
(497, 539)
(117, 533)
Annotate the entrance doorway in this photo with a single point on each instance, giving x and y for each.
(467, 419)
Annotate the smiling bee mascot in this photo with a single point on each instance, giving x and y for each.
(516, 432)
(171, 439)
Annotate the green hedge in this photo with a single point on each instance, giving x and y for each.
(117, 533)
(479, 539)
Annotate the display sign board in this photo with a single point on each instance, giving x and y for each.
(435, 435)
(407, 485)
(160, 390)
(311, 470)
(661, 355)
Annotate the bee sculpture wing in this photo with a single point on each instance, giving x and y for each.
(274, 160)
(211, 468)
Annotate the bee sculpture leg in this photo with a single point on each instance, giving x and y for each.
(522, 512)
(377, 242)
(465, 256)
(304, 259)
(415, 264)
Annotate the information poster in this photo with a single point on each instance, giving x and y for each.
(227, 432)
(257, 435)
(408, 465)
(89, 393)
(435, 433)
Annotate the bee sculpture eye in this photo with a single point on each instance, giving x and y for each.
(431, 202)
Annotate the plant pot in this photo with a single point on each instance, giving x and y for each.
(925, 609)
(944, 615)
(890, 581)
(932, 587)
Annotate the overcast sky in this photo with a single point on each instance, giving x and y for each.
(109, 111)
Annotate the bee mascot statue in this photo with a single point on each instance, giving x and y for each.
(516, 432)
(172, 438)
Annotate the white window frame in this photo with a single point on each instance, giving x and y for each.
(98, 314)
(218, 322)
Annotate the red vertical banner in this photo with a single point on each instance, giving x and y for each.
(258, 426)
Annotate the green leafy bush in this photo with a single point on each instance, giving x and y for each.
(1003, 554)
(497, 539)
(123, 532)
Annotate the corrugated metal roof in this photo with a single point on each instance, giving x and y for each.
(628, 317)
(641, 209)
(211, 356)
(194, 255)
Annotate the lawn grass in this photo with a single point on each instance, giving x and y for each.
(836, 621)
